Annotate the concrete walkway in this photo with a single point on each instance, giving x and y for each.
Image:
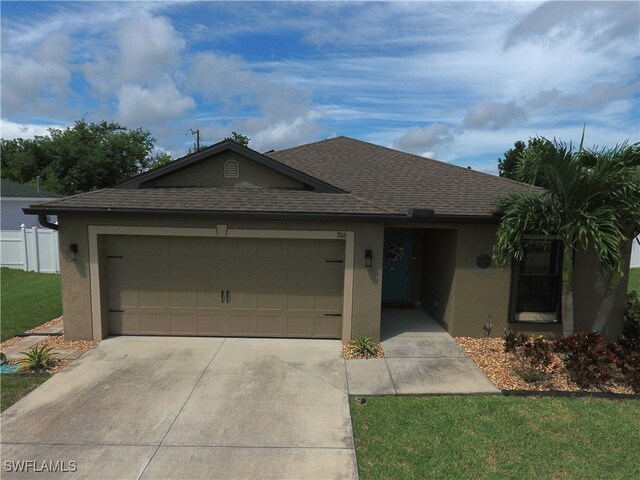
(159, 407)
(14, 352)
(420, 358)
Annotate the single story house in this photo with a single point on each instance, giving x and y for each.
(312, 241)
(14, 197)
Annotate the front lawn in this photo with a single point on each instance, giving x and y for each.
(634, 280)
(496, 437)
(13, 387)
(28, 299)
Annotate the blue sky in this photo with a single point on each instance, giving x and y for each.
(455, 81)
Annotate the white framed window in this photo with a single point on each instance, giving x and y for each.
(231, 169)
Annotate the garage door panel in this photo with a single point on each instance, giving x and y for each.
(123, 280)
(277, 287)
(299, 326)
(271, 248)
(122, 322)
(183, 284)
(327, 327)
(328, 288)
(125, 247)
(213, 324)
(156, 323)
(241, 272)
(184, 324)
(153, 246)
(329, 250)
(272, 326)
(242, 248)
(301, 249)
(300, 286)
(243, 324)
(153, 283)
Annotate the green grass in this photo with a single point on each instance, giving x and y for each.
(634, 280)
(496, 437)
(27, 299)
(13, 387)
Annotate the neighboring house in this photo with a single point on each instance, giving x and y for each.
(311, 241)
(635, 253)
(16, 196)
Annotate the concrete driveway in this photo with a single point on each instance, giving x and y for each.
(143, 407)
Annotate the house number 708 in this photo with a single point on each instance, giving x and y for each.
(342, 235)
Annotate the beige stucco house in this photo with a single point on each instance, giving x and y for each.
(312, 241)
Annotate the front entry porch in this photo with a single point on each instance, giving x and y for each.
(420, 358)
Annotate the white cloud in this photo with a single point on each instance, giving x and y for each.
(139, 51)
(597, 23)
(422, 140)
(10, 130)
(220, 78)
(31, 86)
(493, 115)
(283, 134)
(148, 106)
(263, 106)
(148, 46)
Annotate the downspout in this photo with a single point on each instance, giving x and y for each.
(44, 221)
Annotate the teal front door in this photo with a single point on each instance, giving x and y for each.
(396, 268)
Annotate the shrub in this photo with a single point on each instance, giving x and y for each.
(631, 327)
(627, 350)
(362, 345)
(589, 359)
(534, 356)
(37, 358)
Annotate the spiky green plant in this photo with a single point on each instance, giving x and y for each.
(37, 358)
(362, 345)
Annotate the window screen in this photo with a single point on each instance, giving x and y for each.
(538, 277)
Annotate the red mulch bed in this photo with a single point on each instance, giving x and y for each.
(501, 368)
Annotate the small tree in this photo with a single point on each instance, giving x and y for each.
(84, 157)
(239, 138)
(592, 200)
(508, 164)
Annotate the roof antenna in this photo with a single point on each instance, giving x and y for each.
(196, 132)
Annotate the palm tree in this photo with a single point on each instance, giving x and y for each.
(591, 199)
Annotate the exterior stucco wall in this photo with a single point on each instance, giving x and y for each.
(210, 173)
(479, 292)
(466, 295)
(589, 288)
(76, 283)
(438, 272)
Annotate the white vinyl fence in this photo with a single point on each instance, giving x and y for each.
(635, 254)
(30, 249)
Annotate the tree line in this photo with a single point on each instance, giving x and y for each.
(80, 158)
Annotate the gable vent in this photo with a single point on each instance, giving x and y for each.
(231, 169)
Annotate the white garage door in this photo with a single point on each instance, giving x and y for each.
(224, 286)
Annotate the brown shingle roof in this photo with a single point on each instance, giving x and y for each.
(379, 182)
(216, 199)
(398, 181)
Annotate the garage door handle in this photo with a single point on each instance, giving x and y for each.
(332, 314)
(334, 261)
(228, 296)
(116, 311)
(221, 296)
